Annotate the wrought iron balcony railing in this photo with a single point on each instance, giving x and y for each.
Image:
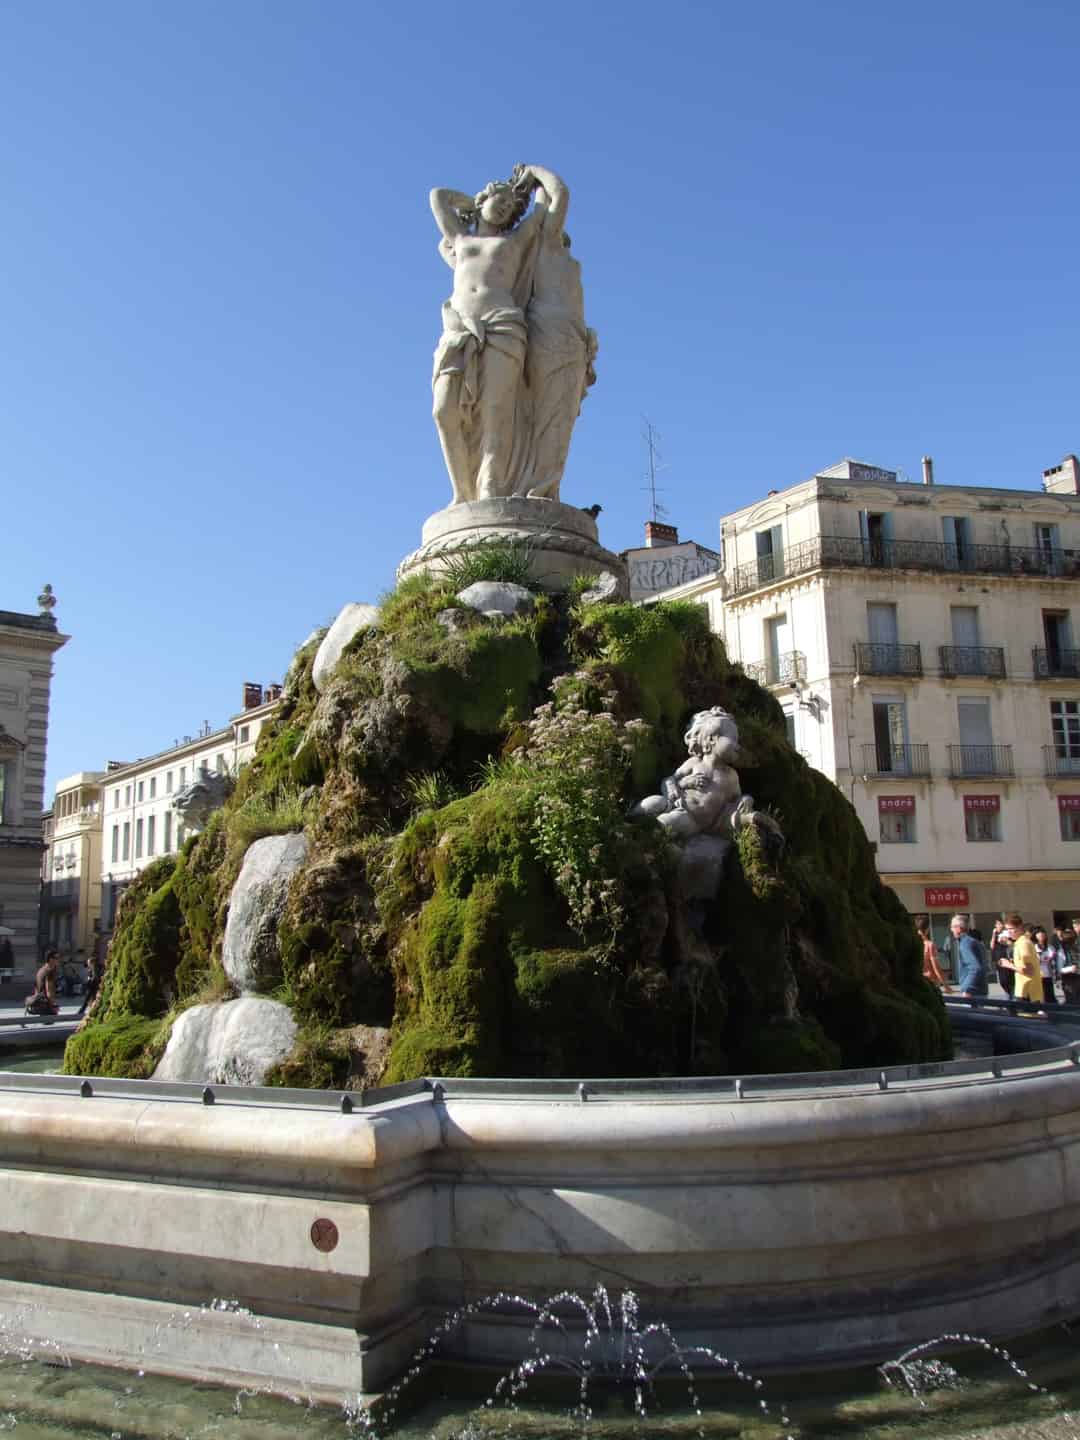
(889, 759)
(789, 669)
(839, 551)
(988, 660)
(971, 760)
(1055, 664)
(1058, 762)
(874, 659)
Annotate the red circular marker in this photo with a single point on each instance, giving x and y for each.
(324, 1235)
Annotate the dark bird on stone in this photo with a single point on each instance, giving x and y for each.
(593, 510)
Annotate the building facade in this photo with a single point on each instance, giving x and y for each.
(138, 823)
(71, 873)
(665, 562)
(924, 643)
(27, 646)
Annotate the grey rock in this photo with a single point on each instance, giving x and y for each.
(352, 618)
(454, 621)
(235, 1043)
(195, 803)
(497, 597)
(607, 587)
(701, 866)
(250, 955)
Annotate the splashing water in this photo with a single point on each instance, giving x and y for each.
(608, 1345)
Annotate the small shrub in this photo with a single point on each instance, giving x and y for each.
(275, 813)
(430, 790)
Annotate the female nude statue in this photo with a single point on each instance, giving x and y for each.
(515, 356)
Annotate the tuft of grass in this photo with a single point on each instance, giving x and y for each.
(275, 813)
(431, 790)
(509, 561)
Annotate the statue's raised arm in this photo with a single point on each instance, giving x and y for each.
(556, 198)
(454, 213)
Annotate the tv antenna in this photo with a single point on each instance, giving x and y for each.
(651, 436)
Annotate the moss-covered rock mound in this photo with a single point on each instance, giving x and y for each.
(478, 895)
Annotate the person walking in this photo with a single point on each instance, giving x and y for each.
(931, 969)
(969, 964)
(1070, 970)
(1000, 954)
(93, 983)
(1050, 963)
(1024, 962)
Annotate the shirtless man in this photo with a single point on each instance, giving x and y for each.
(480, 358)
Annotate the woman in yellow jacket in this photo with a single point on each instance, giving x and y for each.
(1025, 961)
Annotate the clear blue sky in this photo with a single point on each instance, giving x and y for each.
(808, 230)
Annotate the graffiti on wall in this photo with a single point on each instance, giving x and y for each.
(662, 569)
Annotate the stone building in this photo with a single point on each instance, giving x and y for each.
(27, 646)
(664, 561)
(924, 642)
(71, 873)
(138, 823)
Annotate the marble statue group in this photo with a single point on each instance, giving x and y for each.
(515, 356)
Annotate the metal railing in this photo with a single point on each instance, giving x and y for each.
(1055, 763)
(825, 551)
(898, 760)
(971, 760)
(988, 660)
(872, 658)
(1055, 664)
(789, 669)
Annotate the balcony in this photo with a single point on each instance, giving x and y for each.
(1055, 664)
(1054, 763)
(823, 552)
(969, 761)
(874, 659)
(789, 669)
(888, 760)
(982, 660)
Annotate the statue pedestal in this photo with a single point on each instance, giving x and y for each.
(561, 540)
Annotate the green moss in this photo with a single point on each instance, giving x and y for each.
(143, 956)
(202, 882)
(128, 1046)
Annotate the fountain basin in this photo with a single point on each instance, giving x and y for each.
(792, 1221)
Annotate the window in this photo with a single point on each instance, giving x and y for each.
(245, 731)
(956, 532)
(1048, 544)
(982, 815)
(892, 754)
(1069, 816)
(896, 819)
(770, 554)
(976, 736)
(167, 842)
(1065, 729)
(115, 843)
(168, 782)
(7, 796)
(153, 786)
(151, 825)
(220, 764)
(127, 794)
(138, 839)
(1061, 658)
(789, 727)
(125, 853)
(876, 531)
(183, 776)
(777, 645)
(116, 798)
(142, 789)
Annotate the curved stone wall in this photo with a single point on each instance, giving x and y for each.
(787, 1221)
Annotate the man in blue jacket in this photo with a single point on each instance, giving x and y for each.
(968, 957)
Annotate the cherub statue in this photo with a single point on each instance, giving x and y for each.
(703, 794)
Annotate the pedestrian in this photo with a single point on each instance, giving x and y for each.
(1070, 970)
(930, 968)
(1000, 952)
(93, 983)
(1050, 962)
(970, 967)
(1024, 962)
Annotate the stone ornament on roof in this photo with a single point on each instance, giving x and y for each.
(47, 600)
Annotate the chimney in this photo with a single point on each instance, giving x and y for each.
(1063, 479)
(253, 695)
(927, 470)
(272, 692)
(657, 533)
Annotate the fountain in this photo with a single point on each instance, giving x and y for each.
(725, 1087)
